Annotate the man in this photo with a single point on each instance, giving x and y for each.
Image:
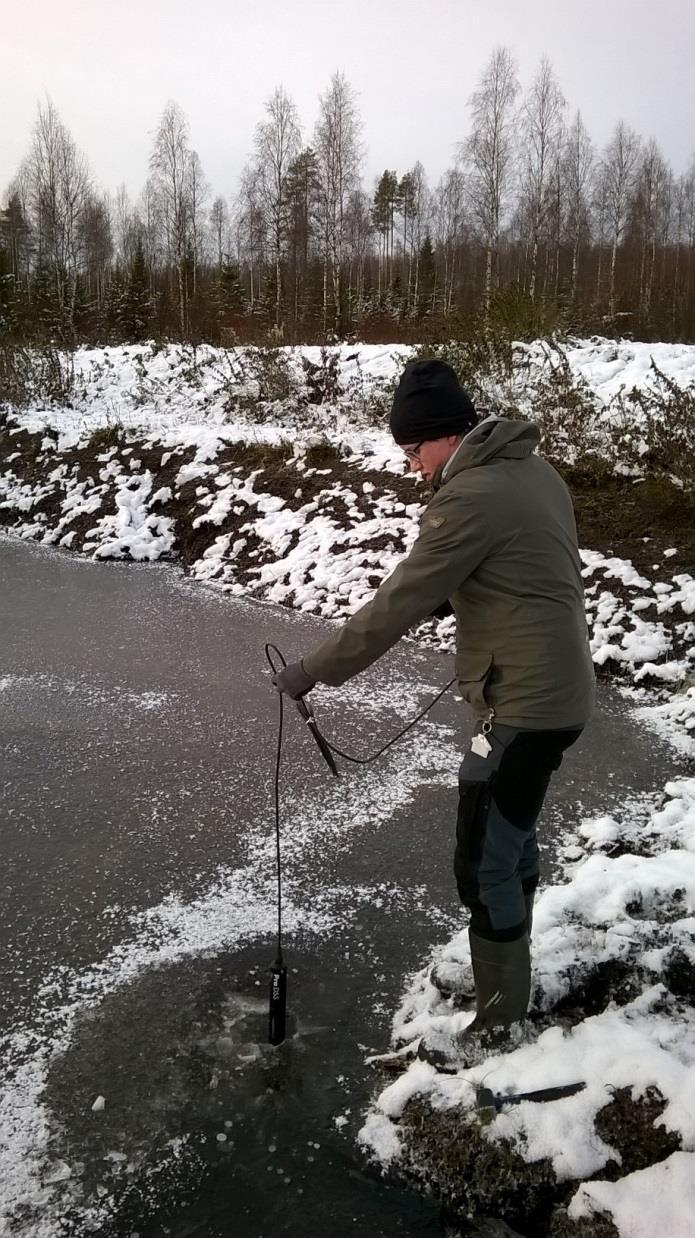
(498, 539)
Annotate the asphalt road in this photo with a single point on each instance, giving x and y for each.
(137, 741)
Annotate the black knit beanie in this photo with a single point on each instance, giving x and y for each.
(430, 403)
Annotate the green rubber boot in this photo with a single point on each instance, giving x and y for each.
(502, 974)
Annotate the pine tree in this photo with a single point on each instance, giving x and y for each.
(302, 190)
(407, 199)
(384, 209)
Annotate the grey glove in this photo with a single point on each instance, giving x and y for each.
(293, 681)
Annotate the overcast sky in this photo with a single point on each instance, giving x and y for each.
(111, 67)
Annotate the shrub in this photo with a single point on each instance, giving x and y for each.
(565, 410)
(370, 399)
(106, 437)
(323, 379)
(269, 369)
(43, 372)
(652, 429)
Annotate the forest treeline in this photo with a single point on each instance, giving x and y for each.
(531, 230)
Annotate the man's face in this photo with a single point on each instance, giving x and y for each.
(427, 456)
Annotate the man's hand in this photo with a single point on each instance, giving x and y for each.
(293, 681)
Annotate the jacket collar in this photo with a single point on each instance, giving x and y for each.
(444, 471)
(493, 438)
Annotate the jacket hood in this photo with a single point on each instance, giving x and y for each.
(494, 438)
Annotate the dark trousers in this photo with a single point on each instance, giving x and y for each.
(500, 799)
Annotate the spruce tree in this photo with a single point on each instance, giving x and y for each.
(46, 315)
(231, 293)
(428, 271)
(135, 309)
(8, 294)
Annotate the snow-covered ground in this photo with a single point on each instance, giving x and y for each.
(321, 541)
(183, 395)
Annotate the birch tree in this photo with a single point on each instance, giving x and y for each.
(278, 140)
(578, 162)
(170, 167)
(449, 215)
(685, 239)
(58, 182)
(219, 229)
(337, 145)
(358, 231)
(152, 229)
(419, 226)
(541, 126)
(196, 192)
(127, 227)
(250, 230)
(652, 213)
(488, 154)
(618, 168)
(96, 238)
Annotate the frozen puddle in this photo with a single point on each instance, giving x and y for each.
(179, 1056)
(160, 1092)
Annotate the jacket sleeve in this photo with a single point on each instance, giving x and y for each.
(454, 539)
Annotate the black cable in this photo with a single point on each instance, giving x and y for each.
(278, 971)
(277, 822)
(366, 760)
(278, 758)
(277, 1008)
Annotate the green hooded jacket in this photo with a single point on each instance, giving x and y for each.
(499, 540)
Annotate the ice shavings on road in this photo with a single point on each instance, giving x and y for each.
(39, 1193)
(86, 693)
(238, 910)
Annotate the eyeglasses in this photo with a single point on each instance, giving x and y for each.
(413, 453)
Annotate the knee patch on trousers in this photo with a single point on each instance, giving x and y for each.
(524, 773)
(474, 803)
